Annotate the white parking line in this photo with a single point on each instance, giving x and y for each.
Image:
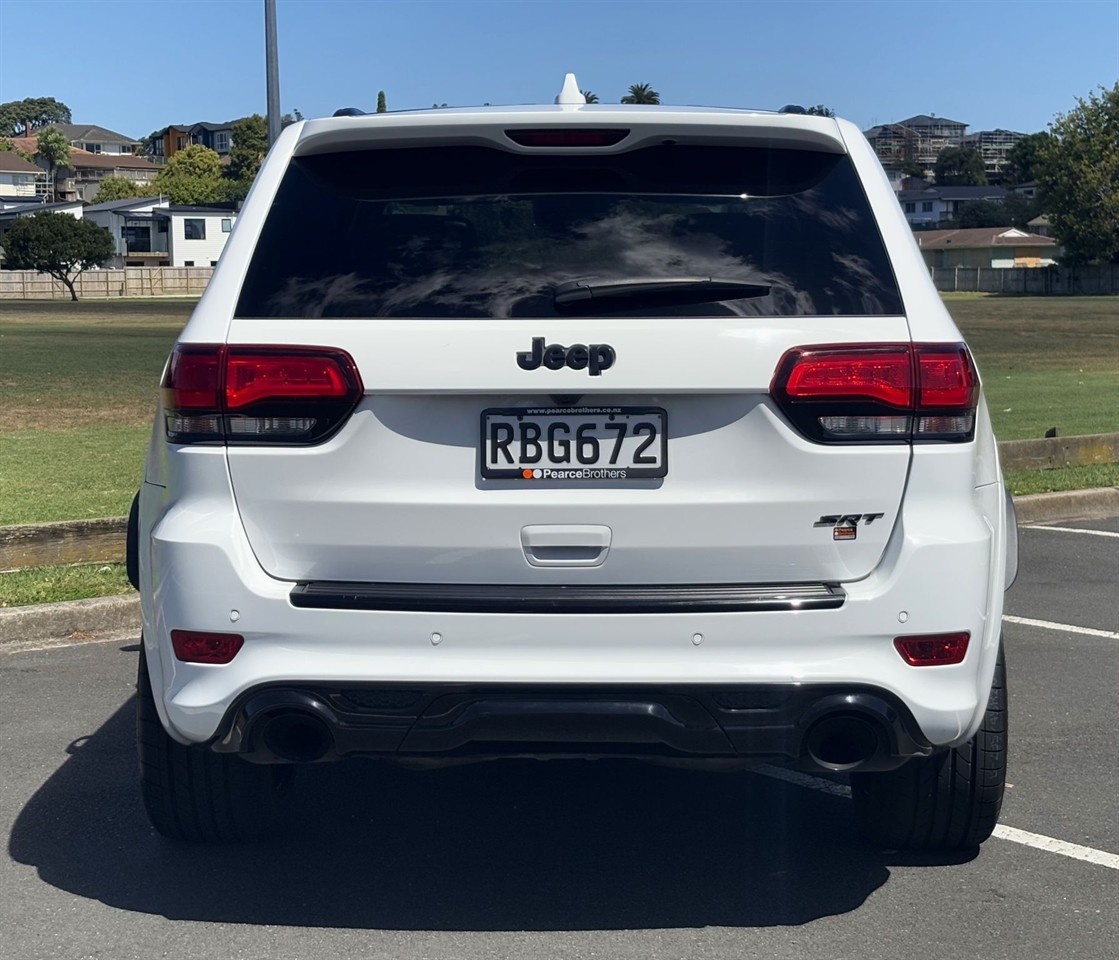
(1063, 627)
(1094, 533)
(1036, 840)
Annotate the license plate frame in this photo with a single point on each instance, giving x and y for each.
(610, 444)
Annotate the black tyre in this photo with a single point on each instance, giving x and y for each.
(196, 795)
(949, 801)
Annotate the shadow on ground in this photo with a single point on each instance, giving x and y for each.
(499, 846)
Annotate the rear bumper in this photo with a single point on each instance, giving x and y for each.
(818, 727)
(943, 571)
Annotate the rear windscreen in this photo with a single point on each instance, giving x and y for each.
(470, 231)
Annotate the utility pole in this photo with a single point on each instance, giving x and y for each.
(272, 65)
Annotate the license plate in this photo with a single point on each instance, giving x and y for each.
(574, 443)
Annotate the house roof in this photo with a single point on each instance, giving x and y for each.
(980, 237)
(953, 193)
(212, 126)
(123, 206)
(11, 162)
(11, 210)
(110, 161)
(91, 132)
(924, 120)
(213, 209)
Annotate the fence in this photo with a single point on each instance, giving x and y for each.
(129, 282)
(1102, 280)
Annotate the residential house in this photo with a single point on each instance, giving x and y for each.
(932, 205)
(986, 247)
(20, 179)
(196, 236)
(992, 146)
(94, 139)
(917, 139)
(81, 178)
(170, 140)
(151, 232)
(139, 239)
(217, 136)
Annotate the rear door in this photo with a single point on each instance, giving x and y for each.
(567, 365)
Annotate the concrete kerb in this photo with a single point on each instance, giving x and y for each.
(102, 618)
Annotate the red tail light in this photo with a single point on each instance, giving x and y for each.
(933, 649)
(192, 646)
(257, 394)
(895, 393)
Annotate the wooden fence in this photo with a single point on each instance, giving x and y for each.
(128, 282)
(1101, 280)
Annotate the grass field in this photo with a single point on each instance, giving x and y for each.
(78, 384)
(1045, 361)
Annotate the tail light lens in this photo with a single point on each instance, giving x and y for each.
(192, 646)
(250, 394)
(892, 393)
(933, 649)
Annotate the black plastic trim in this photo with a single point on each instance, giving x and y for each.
(771, 722)
(567, 598)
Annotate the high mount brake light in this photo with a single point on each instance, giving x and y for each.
(591, 137)
(884, 393)
(257, 394)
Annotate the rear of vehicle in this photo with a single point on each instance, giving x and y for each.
(573, 432)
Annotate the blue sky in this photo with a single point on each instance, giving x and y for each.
(136, 65)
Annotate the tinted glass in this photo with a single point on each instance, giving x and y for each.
(477, 232)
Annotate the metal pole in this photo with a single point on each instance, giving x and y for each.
(272, 64)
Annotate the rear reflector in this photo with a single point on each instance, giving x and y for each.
(933, 649)
(567, 138)
(257, 394)
(194, 647)
(893, 393)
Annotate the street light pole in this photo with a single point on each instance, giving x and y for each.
(272, 65)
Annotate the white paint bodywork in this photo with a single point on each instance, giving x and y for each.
(385, 498)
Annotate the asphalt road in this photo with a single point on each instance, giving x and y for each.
(599, 860)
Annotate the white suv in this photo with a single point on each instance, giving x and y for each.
(573, 431)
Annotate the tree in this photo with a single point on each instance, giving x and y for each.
(20, 118)
(981, 213)
(590, 96)
(959, 167)
(147, 148)
(382, 104)
(117, 188)
(911, 168)
(57, 244)
(54, 149)
(1078, 177)
(248, 145)
(820, 111)
(193, 176)
(1024, 158)
(641, 93)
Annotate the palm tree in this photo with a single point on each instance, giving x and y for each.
(641, 93)
(589, 96)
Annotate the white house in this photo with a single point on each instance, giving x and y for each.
(19, 178)
(196, 236)
(151, 232)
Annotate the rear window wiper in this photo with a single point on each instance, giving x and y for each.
(591, 293)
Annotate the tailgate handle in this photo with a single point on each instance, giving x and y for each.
(565, 545)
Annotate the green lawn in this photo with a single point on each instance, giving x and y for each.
(1045, 361)
(54, 584)
(78, 383)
